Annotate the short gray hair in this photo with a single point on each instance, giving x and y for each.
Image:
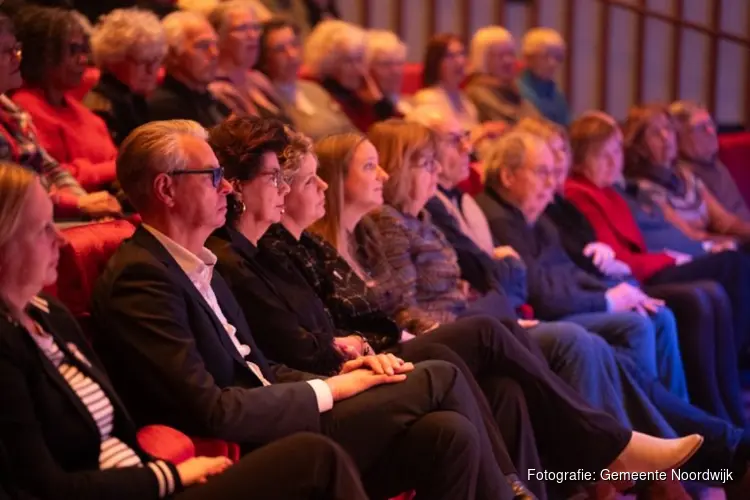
(537, 39)
(326, 43)
(152, 149)
(176, 27)
(127, 32)
(509, 154)
(220, 15)
(481, 42)
(381, 42)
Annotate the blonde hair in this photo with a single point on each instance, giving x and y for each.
(334, 154)
(220, 15)
(127, 32)
(381, 42)
(291, 158)
(537, 40)
(149, 150)
(398, 143)
(328, 42)
(481, 43)
(15, 189)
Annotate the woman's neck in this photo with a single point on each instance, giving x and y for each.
(252, 229)
(350, 217)
(16, 301)
(237, 75)
(54, 96)
(293, 227)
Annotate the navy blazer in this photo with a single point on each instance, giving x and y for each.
(173, 362)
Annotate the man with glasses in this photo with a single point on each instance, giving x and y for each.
(698, 146)
(191, 64)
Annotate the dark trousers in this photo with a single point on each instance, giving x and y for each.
(425, 433)
(732, 271)
(570, 434)
(301, 466)
(706, 335)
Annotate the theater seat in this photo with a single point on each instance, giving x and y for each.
(734, 152)
(169, 444)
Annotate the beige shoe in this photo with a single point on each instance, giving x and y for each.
(646, 453)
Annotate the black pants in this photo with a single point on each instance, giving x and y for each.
(732, 271)
(706, 333)
(426, 433)
(570, 434)
(301, 466)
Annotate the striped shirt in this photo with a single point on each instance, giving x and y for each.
(113, 452)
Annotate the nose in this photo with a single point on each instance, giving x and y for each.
(224, 187)
(284, 188)
(438, 167)
(382, 174)
(323, 185)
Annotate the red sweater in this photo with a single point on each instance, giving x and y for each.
(614, 225)
(74, 136)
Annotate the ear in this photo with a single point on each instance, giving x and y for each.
(164, 189)
(507, 178)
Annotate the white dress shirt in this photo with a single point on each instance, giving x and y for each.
(199, 269)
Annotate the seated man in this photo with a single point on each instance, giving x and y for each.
(191, 64)
(182, 354)
(698, 145)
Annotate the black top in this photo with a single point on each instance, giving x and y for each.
(291, 323)
(121, 109)
(350, 302)
(173, 361)
(174, 101)
(575, 231)
(51, 440)
(557, 286)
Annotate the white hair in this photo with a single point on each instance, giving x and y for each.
(481, 43)
(220, 15)
(151, 149)
(177, 25)
(328, 42)
(427, 115)
(384, 42)
(127, 32)
(537, 40)
(509, 154)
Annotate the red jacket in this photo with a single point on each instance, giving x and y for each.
(614, 225)
(74, 136)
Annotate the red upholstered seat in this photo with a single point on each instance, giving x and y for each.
(734, 151)
(472, 185)
(412, 78)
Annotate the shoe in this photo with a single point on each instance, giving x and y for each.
(646, 453)
(520, 491)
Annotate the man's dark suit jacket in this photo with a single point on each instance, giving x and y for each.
(173, 362)
(173, 100)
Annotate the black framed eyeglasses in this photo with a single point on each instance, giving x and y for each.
(217, 174)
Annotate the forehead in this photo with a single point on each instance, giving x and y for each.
(38, 207)
(270, 160)
(198, 152)
(539, 153)
(240, 16)
(199, 31)
(365, 151)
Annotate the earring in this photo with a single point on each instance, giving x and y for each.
(238, 206)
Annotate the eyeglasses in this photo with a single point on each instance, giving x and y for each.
(217, 174)
(277, 178)
(14, 50)
(429, 164)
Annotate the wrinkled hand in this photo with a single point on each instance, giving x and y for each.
(718, 246)
(351, 347)
(501, 252)
(196, 470)
(648, 305)
(528, 323)
(679, 257)
(357, 381)
(380, 364)
(600, 254)
(623, 297)
(99, 204)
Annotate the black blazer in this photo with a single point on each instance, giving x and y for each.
(51, 441)
(122, 110)
(290, 322)
(173, 362)
(172, 100)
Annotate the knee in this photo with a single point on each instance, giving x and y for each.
(451, 435)
(666, 324)
(564, 338)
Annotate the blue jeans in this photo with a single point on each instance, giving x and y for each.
(650, 341)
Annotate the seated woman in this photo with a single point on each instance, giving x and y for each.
(543, 55)
(491, 84)
(386, 57)
(651, 161)
(592, 192)
(56, 53)
(66, 433)
(243, 90)
(702, 309)
(128, 47)
(18, 143)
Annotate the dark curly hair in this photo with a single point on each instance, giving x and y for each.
(43, 33)
(239, 144)
(434, 54)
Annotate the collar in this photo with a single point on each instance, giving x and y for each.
(188, 261)
(536, 83)
(498, 198)
(454, 194)
(9, 106)
(110, 81)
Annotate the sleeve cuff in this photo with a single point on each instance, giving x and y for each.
(166, 476)
(323, 394)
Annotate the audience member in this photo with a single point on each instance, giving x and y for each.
(698, 151)
(191, 64)
(651, 161)
(167, 312)
(54, 62)
(491, 84)
(64, 429)
(543, 54)
(18, 143)
(334, 54)
(305, 14)
(386, 57)
(312, 109)
(128, 46)
(239, 87)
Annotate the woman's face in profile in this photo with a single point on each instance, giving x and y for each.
(29, 261)
(363, 186)
(305, 203)
(10, 62)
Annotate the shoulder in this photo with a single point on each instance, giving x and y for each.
(98, 102)
(388, 217)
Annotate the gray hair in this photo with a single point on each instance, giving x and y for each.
(509, 154)
(430, 116)
(380, 42)
(177, 25)
(538, 39)
(328, 42)
(220, 15)
(127, 32)
(482, 41)
(152, 149)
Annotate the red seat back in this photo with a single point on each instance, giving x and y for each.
(734, 152)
